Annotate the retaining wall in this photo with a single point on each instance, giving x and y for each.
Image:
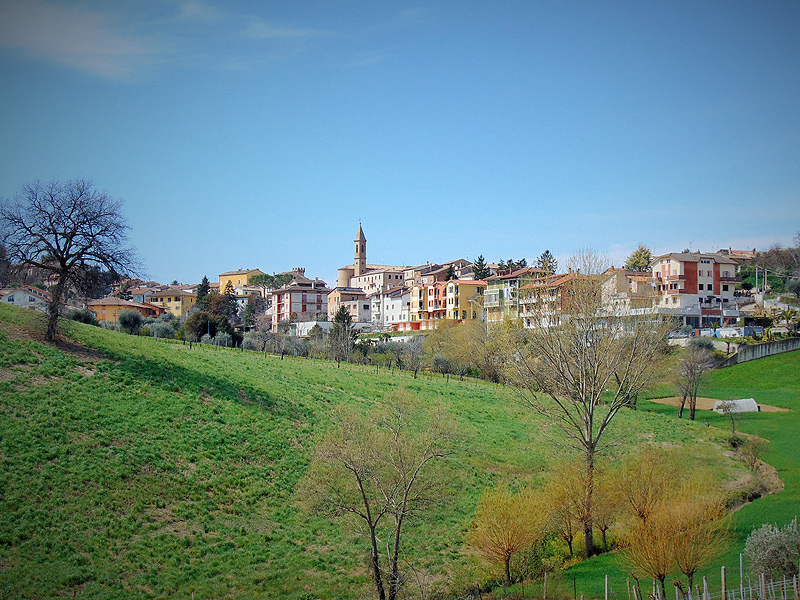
(748, 353)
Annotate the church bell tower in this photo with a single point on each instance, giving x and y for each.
(360, 262)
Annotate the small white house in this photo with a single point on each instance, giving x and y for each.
(737, 406)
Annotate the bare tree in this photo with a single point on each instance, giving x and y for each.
(565, 501)
(382, 470)
(699, 528)
(684, 531)
(582, 371)
(66, 229)
(693, 363)
(505, 524)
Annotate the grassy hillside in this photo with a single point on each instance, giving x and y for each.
(773, 381)
(136, 468)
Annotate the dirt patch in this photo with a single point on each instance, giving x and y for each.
(17, 332)
(708, 404)
(6, 374)
(82, 353)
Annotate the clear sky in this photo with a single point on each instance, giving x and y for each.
(257, 134)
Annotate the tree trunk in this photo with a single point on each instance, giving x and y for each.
(692, 406)
(394, 572)
(588, 498)
(507, 569)
(55, 307)
(373, 560)
(680, 410)
(663, 588)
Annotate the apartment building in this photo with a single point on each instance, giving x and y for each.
(464, 299)
(502, 298)
(300, 300)
(239, 278)
(354, 299)
(178, 301)
(695, 287)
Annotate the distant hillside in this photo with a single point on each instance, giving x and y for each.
(131, 467)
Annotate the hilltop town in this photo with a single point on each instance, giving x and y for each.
(720, 289)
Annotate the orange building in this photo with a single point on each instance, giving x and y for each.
(107, 309)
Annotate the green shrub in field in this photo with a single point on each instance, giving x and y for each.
(773, 551)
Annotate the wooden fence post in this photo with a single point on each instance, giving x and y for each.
(724, 579)
(607, 587)
(544, 592)
(762, 587)
(705, 589)
(741, 576)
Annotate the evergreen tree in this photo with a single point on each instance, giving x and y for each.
(231, 308)
(479, 268)
(341, 338)
(639, 259)
(202, 294)
(547, 262)
(249, 314)
(451, 273)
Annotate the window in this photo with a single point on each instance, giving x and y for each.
(700, 287)
(724, 288)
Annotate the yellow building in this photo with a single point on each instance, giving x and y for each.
(238, 279)
(175, 300)
(107, 309)
(464, 300)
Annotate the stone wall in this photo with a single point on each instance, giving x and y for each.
(748, 353)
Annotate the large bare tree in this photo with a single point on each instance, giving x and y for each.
(66, 229)
(694, 362)
(381, 470)
(582, 370)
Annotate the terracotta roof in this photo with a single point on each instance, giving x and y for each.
(694, 257)
(515, 273)
(113, 301)
(550, 281)
(238, 272)
(478, 282)
(174, 291)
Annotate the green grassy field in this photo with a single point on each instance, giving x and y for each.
(138, 468)
(772, 381)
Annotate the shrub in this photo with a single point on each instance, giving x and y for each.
(82, 315)
(702, 342)
(773, 551)
(224, 339)
(251, 342)
(130, 320)
(161, 329)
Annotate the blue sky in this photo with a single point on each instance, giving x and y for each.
(258, 134)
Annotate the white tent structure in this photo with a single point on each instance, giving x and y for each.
(736, 406)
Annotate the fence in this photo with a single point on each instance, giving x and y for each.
(748, 353)
(786, 588)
